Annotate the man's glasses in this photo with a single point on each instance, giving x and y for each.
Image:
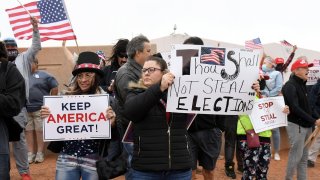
(150, 70)
(122, 55)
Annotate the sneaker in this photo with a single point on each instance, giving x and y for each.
(31, 157)
(276, 156)
(310, 164)
(25, 176)
(39, 157)
(230, 172)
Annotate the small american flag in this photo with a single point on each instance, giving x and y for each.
(253, 44)
(54, 23)
(211, 55)
(316, 62)
(285, 43)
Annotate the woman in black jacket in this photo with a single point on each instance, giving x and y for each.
(161, 147)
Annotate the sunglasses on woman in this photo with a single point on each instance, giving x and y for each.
(122, 55)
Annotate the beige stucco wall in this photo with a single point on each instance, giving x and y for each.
(54, 61)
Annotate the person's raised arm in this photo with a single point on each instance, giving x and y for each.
(36, 41)
(289, 60)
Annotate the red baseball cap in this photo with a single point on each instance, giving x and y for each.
(300, 63)
(279, 60)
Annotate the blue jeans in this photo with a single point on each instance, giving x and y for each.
(70, 167)
(129, 149)
(161, 175)
(20, 150)
(276, 139)
(4, 166)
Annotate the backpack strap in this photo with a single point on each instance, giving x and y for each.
(3, 70)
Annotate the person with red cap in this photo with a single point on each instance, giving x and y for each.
(300, 120)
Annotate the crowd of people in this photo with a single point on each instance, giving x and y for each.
(163, 147)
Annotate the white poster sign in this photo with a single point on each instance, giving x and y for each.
(267, 114)
(76, 117)
(314, 73)
(210, 80)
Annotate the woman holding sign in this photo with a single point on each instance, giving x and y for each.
(255, 152)
(161, 147)
(77, 158)
(272, 89)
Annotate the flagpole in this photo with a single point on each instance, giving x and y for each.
(77, 45)
(311, 139)
(65, 7)
(24, 8)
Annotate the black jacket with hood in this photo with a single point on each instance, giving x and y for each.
(295, 96)
(159, 145)
(12, 99)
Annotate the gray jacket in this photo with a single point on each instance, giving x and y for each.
(130, 71)
(24, 59)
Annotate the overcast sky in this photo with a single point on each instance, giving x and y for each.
(100, 22)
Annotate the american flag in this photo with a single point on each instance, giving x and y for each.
(285, 43)
(316, 62)
(253, 44)
(211, 55)
(53, 20)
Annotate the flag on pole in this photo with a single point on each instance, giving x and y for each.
(53, 20)
(287, 46)
(316, 62)
(285, 43)
(253, 44)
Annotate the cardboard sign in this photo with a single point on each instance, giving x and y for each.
(76, 117)
(211, 80)
(267, 114)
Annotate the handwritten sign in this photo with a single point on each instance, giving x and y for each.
(212, 80)
(76, 117)
(267, 114)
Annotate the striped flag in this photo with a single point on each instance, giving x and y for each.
(212, 55)
(53, 20)
(316, 62)
(285, 43)
(253, 44)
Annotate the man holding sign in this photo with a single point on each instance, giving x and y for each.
(77, 158)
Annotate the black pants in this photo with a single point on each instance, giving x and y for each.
(230, 137)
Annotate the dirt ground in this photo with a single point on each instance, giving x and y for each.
(46, 170)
